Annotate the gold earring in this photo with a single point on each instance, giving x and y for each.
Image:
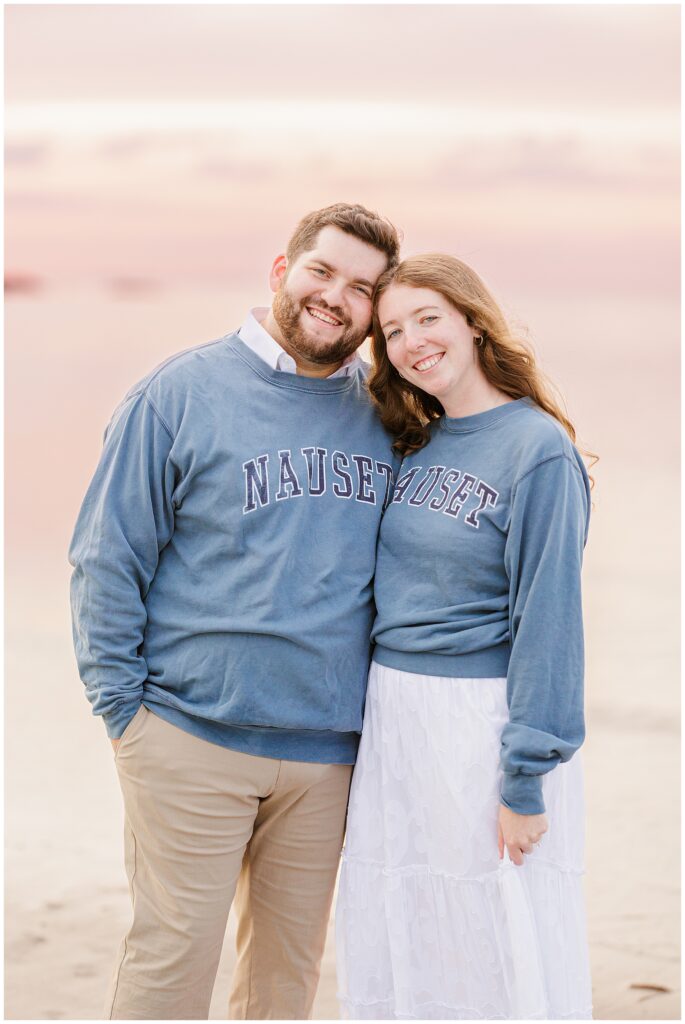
(479, 340)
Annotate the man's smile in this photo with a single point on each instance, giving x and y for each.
(324, 318)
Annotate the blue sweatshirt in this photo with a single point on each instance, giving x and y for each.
(224, 555)
(478, 576)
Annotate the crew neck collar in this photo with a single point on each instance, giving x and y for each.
(481, 420)
(256, 337)
(281, 378)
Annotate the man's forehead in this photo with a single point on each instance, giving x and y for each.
(344, 251)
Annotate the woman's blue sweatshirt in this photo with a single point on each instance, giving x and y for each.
(478, 576)
(225, 551)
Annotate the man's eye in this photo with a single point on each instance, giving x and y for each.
(318, 270)
(364, 291)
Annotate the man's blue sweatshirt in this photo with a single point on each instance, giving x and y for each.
(225, 551)
(478, 576)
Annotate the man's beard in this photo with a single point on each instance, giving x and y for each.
(287, 315)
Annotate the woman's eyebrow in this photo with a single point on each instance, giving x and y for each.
(413, 313)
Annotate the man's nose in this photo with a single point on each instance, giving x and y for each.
(333, 293)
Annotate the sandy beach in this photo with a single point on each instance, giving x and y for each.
(66, 896)
(67, 902)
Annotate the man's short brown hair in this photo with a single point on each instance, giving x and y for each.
(354, 220)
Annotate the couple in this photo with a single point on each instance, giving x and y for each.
(224, 601)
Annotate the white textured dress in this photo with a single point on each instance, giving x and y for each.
(430, 923)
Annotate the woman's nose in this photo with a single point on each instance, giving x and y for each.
(414, 341)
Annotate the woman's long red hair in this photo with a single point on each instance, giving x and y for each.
(507, 362)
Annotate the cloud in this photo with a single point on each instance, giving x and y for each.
(236, 170)
(564, 162)
(126, 147)
(20, 201)
(152, 142)
(547, 56)
(28, 154)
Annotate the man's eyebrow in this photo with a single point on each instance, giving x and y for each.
(413, 313)
(357, 280)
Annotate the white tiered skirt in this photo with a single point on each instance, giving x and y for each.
(430, 924)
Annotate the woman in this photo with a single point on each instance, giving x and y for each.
(460, 894)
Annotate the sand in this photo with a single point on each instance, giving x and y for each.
(67, 905)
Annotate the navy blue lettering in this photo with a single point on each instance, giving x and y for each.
(338, 461)
(386, 471)
(404, 483)
(289, 485)
(365, 471)
(320, 487)
(359, 484)
(450, 476)
(460, 495)
(425, 487)
(488, 496)
(256, 483)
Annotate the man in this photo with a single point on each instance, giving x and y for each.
(222, 604)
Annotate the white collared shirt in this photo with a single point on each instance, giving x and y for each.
(267, 348)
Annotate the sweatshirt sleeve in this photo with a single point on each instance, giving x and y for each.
(543, 558)
(125, 521)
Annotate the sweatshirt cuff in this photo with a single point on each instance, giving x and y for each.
(523, 793)
(116, 721)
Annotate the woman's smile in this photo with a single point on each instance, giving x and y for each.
(428, 362)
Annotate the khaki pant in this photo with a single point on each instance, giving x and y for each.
(201, 820)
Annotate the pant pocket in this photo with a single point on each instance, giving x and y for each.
(130, 730)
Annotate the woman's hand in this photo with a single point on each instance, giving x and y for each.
(519, 833)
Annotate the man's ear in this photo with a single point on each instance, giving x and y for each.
(277, 272)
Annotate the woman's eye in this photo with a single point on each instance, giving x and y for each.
(392, 334)
(428, 319)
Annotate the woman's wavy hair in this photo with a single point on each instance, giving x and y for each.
(508, 362)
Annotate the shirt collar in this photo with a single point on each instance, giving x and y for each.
(267, 348)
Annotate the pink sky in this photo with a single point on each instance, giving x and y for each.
(184, 142)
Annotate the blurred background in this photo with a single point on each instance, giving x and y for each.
(157, 159)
